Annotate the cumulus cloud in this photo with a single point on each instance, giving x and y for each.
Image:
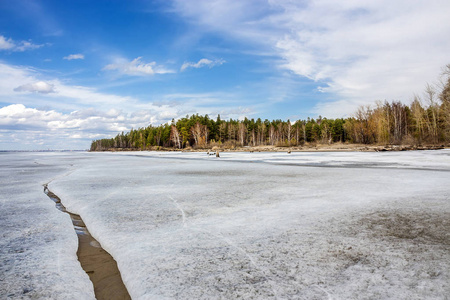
(30, 128)
(20, 117)
(82, 113)
(9, 44)
(136, 67)
(84, 122)
(74, 56)
(36, 87)
(76, 111)
(204, 62)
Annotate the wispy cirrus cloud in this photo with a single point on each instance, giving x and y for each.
(9, 44)
(25, 85)
(136, 67)
(204, 62)
(356, 52)
(74, 56)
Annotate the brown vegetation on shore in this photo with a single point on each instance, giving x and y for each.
(336, 147)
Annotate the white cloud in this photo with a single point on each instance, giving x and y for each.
(9, 44)
(24, 46)
(14, 79)
(204, 62)
(82, 113)
(36, 87)
(20, 117)
(357, 51)
(74, 56)
(31, 128)
(6, 44)
(241, 19)
(74, 111)
(136, 67)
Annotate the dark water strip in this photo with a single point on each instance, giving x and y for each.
(96, 262)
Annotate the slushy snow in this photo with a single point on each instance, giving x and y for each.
(261, 225)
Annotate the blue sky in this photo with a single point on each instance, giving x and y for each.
(73, 71)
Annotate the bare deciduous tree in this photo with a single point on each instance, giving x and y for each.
(196, 132)
(432, 112)
(418, 113)
(272, 135)
(242, 130)
(175, 136)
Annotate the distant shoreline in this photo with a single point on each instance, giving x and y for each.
(337, 147)
(36, 151)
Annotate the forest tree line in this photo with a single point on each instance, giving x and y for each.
(425, 121)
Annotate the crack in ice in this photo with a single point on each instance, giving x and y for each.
(59, 177)
(183, 214)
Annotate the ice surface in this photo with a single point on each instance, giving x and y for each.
(245, 225)
(38, 244)
(269, 225)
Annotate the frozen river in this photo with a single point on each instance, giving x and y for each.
(245, 225)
